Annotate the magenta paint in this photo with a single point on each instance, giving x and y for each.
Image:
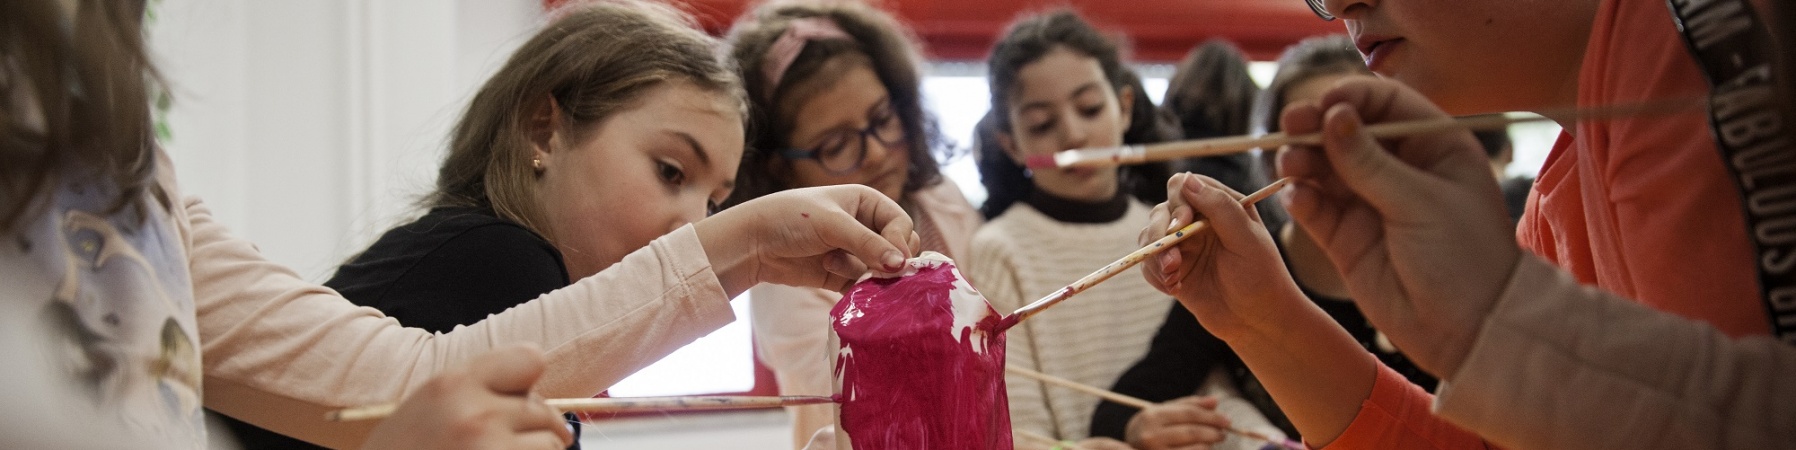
(920, 363)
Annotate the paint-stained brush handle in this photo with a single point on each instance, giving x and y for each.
(1128, 261)
(618, 404)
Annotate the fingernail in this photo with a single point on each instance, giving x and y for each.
(1174, 226)
(893, 260)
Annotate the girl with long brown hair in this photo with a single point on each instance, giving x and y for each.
(130, 282)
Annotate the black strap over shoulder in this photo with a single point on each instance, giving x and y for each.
(1734, 51)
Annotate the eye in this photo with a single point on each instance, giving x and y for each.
(1092, 111)
(1041, 128)
(670, 173)
(833, 146)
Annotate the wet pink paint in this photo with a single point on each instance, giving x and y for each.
(909, 379)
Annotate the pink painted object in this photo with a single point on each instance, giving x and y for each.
(919, 363)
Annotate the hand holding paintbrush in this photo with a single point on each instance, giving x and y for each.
(1170, 240)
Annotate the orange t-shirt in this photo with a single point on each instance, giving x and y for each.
(1642, 207)
(1645, 207)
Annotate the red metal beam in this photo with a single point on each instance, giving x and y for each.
(1157, 30)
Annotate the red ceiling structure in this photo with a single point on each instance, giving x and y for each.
(1157, 30)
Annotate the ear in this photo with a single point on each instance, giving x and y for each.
(1125, 99)
(545, 129)
(1007, 143)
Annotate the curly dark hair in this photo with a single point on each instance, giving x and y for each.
(1027, 41)
(875, 36)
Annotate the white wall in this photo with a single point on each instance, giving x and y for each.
(311, 125)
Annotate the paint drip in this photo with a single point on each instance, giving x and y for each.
(919, 362)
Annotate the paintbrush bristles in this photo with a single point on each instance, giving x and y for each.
(617, 404)
(1127, 261)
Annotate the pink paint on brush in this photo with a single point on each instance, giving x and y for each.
(920, 362)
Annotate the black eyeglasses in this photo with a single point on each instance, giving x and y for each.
(1321, 10)
(842, 152)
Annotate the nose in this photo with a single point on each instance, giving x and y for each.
(692, 210)
(877, 152)
(1349, 9)
(1074, 132)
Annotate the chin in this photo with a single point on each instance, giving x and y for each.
(895, 192)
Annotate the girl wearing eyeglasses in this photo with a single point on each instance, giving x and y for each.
(835, 99)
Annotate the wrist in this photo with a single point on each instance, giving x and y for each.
(1276, 314)
(730, 251)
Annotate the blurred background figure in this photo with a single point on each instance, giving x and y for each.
(1211, 94)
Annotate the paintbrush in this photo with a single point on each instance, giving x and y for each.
(1136, 402)
(1137, 154)
(1128, 261)
(617, 404)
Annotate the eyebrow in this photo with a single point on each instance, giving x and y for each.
(699, 152)
(1087, 87)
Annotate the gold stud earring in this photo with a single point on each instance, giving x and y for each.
(537, 163)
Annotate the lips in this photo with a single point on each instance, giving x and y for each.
(1377, 49)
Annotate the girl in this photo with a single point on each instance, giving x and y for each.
(1058, 84)
(134, 282)
(625, 141)
(1212, 95)
(1182, 347)
(834, 89)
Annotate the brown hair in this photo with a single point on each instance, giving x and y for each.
(1028, 40)
(89, 83)
(1309, 58)
(1031, 38)
(873, 35)
(593, 60)
(1212, 92)
(1305, 60)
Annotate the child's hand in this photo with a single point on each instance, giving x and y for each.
(1185, 423)
(486, 405)
(823, 439)
(813, 237)
(1230, 276)
(1416, 225)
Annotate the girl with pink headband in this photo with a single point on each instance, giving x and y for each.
(835, 98)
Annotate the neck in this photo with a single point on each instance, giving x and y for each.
(1068, 210)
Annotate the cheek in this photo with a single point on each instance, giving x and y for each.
(809, 175)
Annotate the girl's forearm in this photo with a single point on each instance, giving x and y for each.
(1316, 372)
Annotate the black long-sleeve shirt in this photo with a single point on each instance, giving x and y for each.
(454, 266)
(1183, 353)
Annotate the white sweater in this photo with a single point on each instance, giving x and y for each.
(1092, 338)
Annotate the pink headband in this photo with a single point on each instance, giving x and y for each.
(785, 50)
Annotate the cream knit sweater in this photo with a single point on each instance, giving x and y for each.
(1092, 338)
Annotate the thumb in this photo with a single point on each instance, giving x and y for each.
(510, 369)
(888, 247)
(1221, 209)
(1362, 164)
